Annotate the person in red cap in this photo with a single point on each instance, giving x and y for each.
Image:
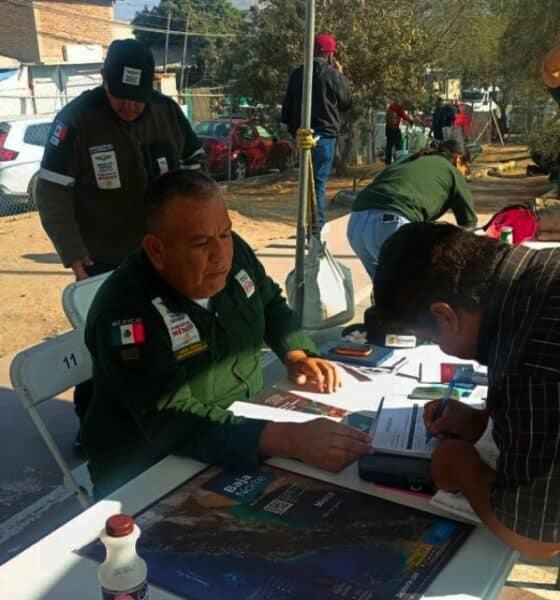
(330, 97)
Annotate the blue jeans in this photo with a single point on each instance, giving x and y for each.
(367, 230)
(322, 156)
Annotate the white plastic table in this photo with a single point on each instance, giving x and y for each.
(51, 570)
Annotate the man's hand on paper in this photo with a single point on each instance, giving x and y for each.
(458, 419)
(317, 374)
(319, 443)
(329, 445)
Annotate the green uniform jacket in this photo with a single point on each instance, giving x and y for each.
(420, 189)
(95, 170)
(166, 370)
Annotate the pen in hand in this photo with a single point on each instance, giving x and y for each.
(443, 402)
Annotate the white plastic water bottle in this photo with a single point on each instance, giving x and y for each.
(123, 574)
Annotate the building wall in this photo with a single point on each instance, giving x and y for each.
(38, 30)
(67, 22)
(17, 32)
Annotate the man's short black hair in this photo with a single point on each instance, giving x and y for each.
(424, 263)
(182, 184)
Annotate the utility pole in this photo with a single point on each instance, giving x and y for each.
(303, 158)
(184, 57)
(167, 40)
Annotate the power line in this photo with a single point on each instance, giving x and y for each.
(123, 24)
(151, 15)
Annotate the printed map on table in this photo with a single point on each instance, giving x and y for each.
(270, 534)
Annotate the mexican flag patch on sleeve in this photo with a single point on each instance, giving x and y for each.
(124, 333)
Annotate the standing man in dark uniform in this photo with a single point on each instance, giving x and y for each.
(330, 97)
(103, 150)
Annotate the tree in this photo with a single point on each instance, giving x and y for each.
(494, 43)
(204, 16)
(380, 46)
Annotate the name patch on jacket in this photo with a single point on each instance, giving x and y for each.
(127, 332)
(182, 331)
(163, 166)
(246, 282)
(105, 167)
(191, 350)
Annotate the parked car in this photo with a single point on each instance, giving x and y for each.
(22, 143)
(479, 98)
(253, 148)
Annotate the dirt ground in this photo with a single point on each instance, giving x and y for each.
(32, 278)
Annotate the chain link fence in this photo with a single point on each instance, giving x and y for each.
(15, 204)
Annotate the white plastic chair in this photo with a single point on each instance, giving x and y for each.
(78, 296)
(40, 373)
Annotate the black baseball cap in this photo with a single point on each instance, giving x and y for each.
(129, 70)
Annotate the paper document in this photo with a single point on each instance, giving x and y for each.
(293, 402)
(455, 504)
(400, 428)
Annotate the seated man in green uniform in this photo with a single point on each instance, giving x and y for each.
(175, 336)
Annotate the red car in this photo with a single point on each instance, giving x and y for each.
(253, 148)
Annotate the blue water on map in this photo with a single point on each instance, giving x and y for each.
(196, 575)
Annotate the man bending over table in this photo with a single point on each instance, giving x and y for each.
(480, 299)
(175, 336)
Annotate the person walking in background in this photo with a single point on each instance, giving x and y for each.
(444, 116)
(330, 98)
(463, 118)
(393, 117)
(421, 187)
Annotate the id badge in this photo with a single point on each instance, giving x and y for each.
(105, 167)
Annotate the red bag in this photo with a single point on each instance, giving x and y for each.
(519, 217)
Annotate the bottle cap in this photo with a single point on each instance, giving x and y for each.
(119, 525)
